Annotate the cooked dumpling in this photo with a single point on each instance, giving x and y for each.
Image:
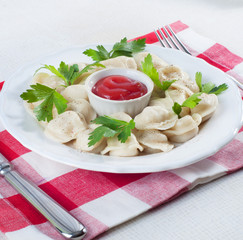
(166, 103)
(121, 116)
(171, 72)
(157, 62)
(81, 79)
(184, 129)
(30, 109)
(115, 148)
(185, 84)
(207, 106)
(120, 62)
(178, 96)
(74, 92)
(51, 81)
(153, 141)
(65, 127)
(82, 140)
(155, 117)
(180, 88)
(82, 108)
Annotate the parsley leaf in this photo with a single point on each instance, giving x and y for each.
(209, 87)
(50, 96)
(51, 69)
(167, 84)
(219, 89)
(68, 73)
(128, 47)
(177, 108)
(125, 131)
(122, 48)
(101, 54)
(99, 133)
(198, 78)
(149, 69)
(108, 121)
(190, 102)
(109, 128)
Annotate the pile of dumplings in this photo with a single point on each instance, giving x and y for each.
(157, 127)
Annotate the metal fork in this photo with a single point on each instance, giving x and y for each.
(170, 40)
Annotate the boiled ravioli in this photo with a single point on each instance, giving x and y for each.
(130, 148)
(184, 129)
(65, 127)
(155, 117)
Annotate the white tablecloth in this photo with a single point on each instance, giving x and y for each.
(31, 29)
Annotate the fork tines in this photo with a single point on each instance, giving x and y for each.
(168, 41)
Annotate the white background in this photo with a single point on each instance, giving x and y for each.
(31, 29)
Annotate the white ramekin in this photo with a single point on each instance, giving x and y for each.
(105, 106)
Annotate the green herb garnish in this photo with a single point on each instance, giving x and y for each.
(190, 102)
(209, 87)
(219, 89)
(177, 108)
(109, 128)
(198, 79)
(50, 96)
(69, 73)
(193, 100)
(122, 48)
(149, 69)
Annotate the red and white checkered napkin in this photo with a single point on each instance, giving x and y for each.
(103, 200)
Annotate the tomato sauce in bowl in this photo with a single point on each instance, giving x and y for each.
(119, 90)
(117, 87)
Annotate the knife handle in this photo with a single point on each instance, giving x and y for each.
(66, 224)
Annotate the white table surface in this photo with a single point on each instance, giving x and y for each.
(31, 29)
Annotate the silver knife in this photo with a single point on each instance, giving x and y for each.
(66, 225)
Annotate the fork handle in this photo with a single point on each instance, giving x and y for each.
(66, 224)
(240, 85)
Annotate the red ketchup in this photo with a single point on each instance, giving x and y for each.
(118, 87)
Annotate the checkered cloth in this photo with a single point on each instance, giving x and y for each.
(103, 200)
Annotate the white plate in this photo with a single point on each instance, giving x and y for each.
(217, 132)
